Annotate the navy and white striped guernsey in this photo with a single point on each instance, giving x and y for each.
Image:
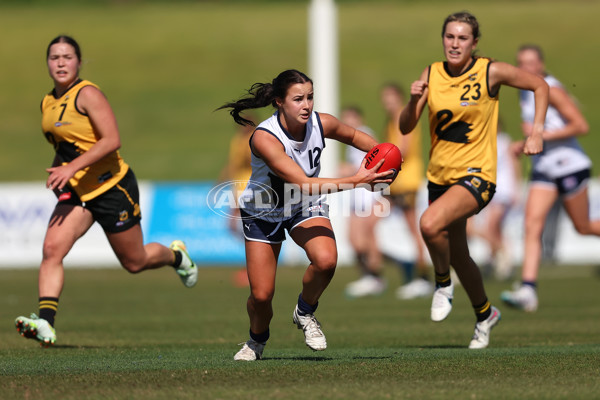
(266, 195)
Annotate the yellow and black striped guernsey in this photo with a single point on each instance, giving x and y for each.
(463, 121)
(71, 133)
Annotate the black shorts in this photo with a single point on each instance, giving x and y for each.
(116, 210)
(482, 190)
(566, 185)
(273, 232)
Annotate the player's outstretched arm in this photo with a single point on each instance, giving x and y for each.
(501, 73)
(272, 152)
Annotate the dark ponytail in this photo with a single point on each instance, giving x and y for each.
(262, 94)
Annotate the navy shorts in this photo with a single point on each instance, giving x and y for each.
(482, 190)
(565, 185)
(116, 210)
(259, 230)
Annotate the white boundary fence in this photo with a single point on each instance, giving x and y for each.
(179, 210)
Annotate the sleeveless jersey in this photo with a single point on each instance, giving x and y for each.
(411, 175)
(560, 157)
(267, 196)
(463, 121)
(71, 133)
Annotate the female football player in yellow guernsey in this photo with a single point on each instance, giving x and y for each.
(462, 96)
(92, 183)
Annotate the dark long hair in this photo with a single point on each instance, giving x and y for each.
(65, 39)
(262, 94)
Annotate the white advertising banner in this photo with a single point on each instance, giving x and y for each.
(25, 210)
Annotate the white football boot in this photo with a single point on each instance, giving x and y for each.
(481, 337)
(313, 335)
(368, 285)
(250, 351)
(524, 298)
(441, 304)
(416, 288)
(187, 270)
(36, 328)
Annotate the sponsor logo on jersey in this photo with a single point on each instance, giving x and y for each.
(473, 77)
(61, 123)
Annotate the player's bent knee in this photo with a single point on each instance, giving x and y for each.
(429, 229)
(53, 249)
(325, 262)
(132, 266)
(262, 296)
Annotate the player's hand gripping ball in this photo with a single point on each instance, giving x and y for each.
(391, 154)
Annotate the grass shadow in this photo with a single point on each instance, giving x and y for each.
(372, 357)
(301, 358)
(74, 346)
(437, 346)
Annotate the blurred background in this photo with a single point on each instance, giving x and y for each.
(165, 66)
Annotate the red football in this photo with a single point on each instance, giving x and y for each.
(389, 152)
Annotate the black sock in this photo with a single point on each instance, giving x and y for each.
(408, 267)
(442, 280)
(533, 284)
(361, 258)
(178, 257)
(48, 308)
(305, 308)
(260, 337)
(483, 311)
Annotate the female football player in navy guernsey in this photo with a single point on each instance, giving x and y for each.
(286, 151)
(560, 172)
(462, 96)
(92, 183)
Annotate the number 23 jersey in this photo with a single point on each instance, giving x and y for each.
(463, 122)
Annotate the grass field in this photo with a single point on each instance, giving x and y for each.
(145, 336)
(165, 66)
